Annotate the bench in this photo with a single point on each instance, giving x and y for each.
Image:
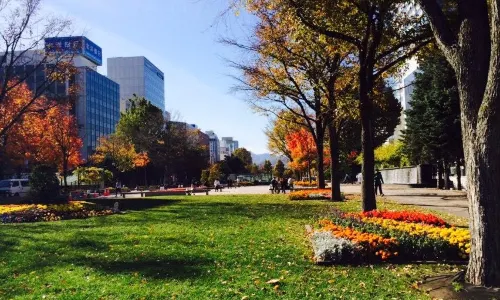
(141, 193)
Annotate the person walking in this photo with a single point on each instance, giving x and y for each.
(283, 185)
(274, 184)
(118, 188)
(217, 185)
(378, 182)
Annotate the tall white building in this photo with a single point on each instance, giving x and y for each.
(137, 75)
(214, 147)
(404, 84)
(227, 147)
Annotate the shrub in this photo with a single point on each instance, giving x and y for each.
(45, 185)
(328, 248)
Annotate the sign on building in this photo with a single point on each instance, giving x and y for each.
(78, 45)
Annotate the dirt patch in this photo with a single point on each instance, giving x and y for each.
(451, 286)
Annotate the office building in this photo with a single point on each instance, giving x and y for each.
(137, 76)
(214, 147)
(97, 107)
(227, 147)
(404, 83)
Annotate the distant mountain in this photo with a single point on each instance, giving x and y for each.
(261, 158)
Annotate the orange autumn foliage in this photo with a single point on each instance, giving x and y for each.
(303, 150)
(46, 133)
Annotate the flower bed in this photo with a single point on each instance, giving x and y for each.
(406, 216)
(305, 183)
(368, 238)
(50, 212)
(316, 194)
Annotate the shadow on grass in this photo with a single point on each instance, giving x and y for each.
(161, 268)
(134, 203)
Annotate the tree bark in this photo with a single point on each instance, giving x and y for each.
(320, 167)
(334, 162)
(65, 171)
(366, 108)
(474, 53)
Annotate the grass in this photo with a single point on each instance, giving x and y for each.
(216, 247)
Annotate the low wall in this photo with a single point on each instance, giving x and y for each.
(417, 175)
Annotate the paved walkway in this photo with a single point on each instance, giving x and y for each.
(453, 202)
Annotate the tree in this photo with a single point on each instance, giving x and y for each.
(63, 139)
(143, 124)
(268, 167)
(433, 132)
(141, 160)
(117, 151)
(24, 30)
(391, 155)
(93, 175)
(470, 41)
(204, 178)
(44, 184)
(277, 131)
(215, 173)
(48, 134)
(245, 156)
(302, 72)
(180, 153)
(374, 29)
(303, 151)
(279, 168)
(254, 169)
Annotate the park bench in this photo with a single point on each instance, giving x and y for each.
(141, 193)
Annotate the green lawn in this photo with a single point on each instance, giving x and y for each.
(216, 247)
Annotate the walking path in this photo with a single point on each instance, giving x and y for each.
(453, 202)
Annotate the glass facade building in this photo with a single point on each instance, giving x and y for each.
(98, 108)
(139, 76)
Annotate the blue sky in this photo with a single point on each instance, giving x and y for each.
(180, 37)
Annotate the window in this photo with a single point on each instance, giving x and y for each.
(15, 183)
(25, 183)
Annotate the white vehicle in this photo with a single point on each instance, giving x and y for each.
(14, 187)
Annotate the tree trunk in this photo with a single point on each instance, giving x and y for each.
(334, 163)
(459, 175)
(65, 171)
(446, 169)
(320, 167)
(145, 176)
(367, 186)
(309, 170)
(439, 175)
(474, 53)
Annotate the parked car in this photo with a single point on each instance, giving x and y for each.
(14, 187)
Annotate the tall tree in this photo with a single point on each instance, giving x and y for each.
(382, 38)
(278, 129)
(279, 168)
(23, 30)
(470, 41)
(245, 156)
(268, 167)
(63, 139)
(303, 150)
(117, 152)
(48, 134)
(302, 72)
(143, 124)
(433, 132)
